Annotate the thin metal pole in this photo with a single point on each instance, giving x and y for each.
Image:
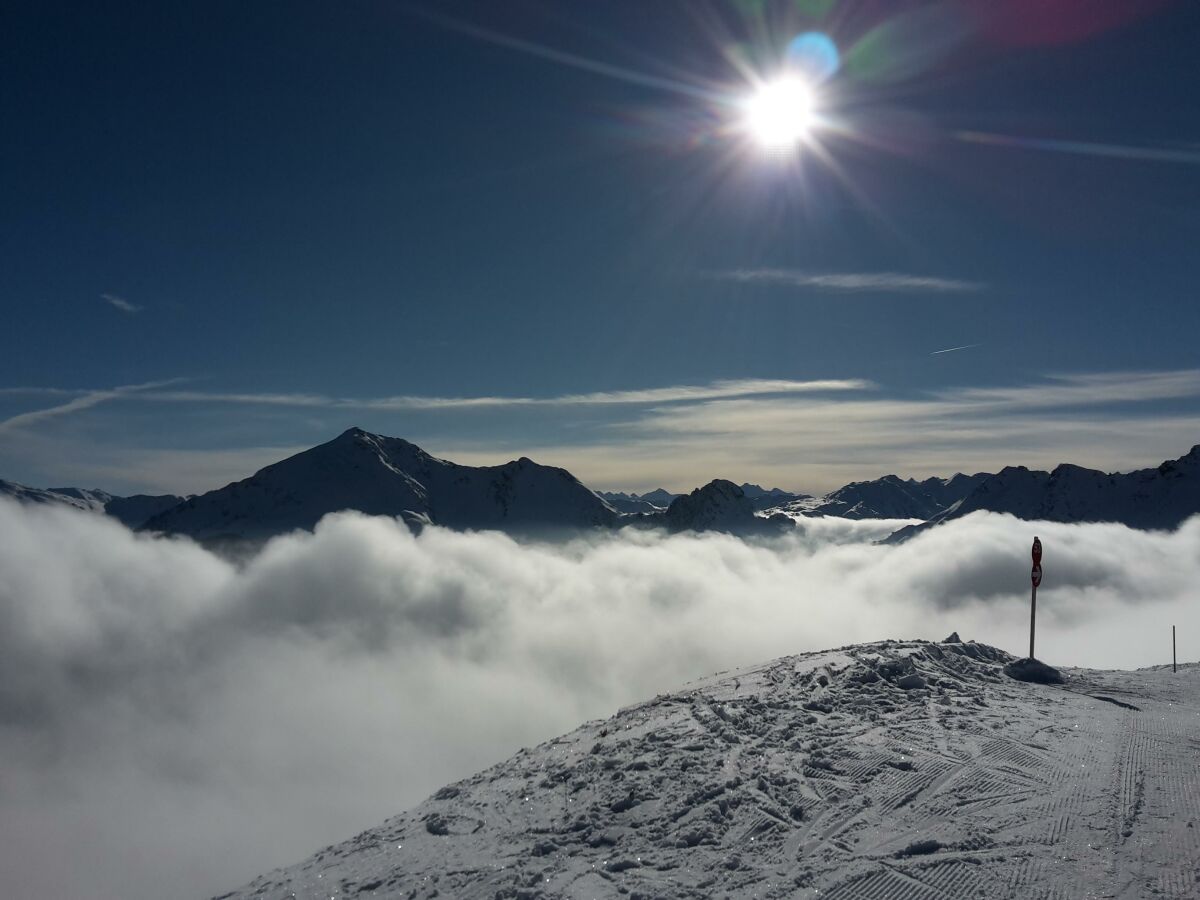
(1174, 668)
(1032, 620)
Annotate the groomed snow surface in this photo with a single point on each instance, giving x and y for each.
(888, 771)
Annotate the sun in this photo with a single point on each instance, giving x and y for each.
(779, 115)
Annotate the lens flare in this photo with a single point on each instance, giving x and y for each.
(814, 54)
(780, 113)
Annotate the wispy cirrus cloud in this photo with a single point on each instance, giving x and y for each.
(852, 282)
(84, 400)
(120, 303)
(682, 393)
(1110, 421)
(809, 435)
(950, 412)
(187, 470)
(39, 392)
(1089, 388)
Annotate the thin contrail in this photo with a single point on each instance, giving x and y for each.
(952, 349)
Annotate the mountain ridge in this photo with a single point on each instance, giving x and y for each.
(1159, 497)
(379, 475)
(130, 511)
(721, 505)
(656, 500)
(888, 497)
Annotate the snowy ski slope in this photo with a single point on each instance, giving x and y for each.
(897, 770)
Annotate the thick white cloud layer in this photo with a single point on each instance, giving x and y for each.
(172, 724)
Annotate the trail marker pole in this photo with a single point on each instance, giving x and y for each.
(1174, 668)
(1035, 576)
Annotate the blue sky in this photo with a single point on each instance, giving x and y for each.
(232, 230)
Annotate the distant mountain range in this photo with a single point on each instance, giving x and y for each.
(388, 476)
(1158, 498)
(652, 502)
(722, 506)
(770, 498)
(889, 497)
(658, 500)
(718, 506)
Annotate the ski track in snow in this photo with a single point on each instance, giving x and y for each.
(891, 771)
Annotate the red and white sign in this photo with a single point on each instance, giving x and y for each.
(1037, 553)
(1036, 574)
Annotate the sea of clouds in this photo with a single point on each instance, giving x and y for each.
(173, 723)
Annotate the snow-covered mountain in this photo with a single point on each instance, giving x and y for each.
(896, 771)
(131, 511)
(721, 506)
(770, 498)
(90, 500)
(658, 500)
(889, 497)
(945, 492)
(653, 501)
(660, 497)
(387, 476)
(1161, 497)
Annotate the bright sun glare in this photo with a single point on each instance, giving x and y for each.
(779, 114)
